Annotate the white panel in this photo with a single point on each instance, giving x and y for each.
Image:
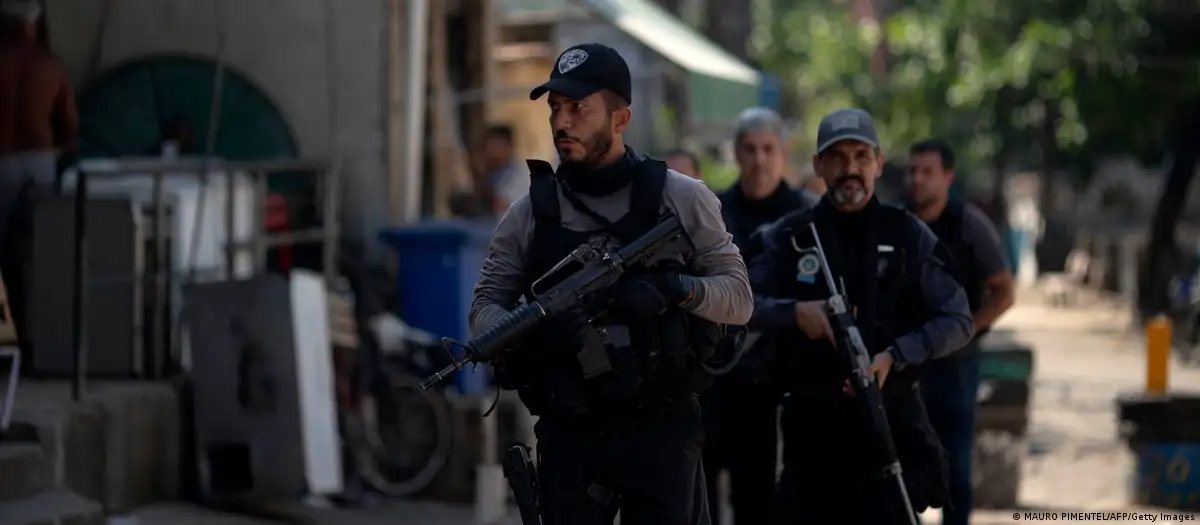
(314, 371)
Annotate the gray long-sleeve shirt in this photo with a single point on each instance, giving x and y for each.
(948, 328)
(722, 292)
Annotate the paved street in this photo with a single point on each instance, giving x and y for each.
(1084, 358)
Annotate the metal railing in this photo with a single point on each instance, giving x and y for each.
(327, 234)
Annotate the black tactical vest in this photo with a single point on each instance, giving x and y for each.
(892, 310)
(815, 375)
(949, 229)
(658, 365)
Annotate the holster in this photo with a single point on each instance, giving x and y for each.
(521, 474)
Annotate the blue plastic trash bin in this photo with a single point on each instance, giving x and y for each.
(438, 264)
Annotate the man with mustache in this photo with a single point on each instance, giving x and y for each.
(950, 386)
(909, 309)
(741, 409)
(628, 437)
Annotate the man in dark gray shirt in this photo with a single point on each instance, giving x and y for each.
(909, 309)
(950, 386)
(628, 438)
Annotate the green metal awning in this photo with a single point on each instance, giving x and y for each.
(719, 85)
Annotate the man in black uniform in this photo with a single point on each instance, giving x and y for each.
(909, 309)
(950, 386)
(629, 438)
(741, 409)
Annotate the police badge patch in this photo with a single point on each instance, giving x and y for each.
(571, 60)
(807, 268)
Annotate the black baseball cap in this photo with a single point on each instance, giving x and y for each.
(846, 124)
(585, 69)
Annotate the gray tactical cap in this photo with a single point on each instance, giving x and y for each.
(846, 124)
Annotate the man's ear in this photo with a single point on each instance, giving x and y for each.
(950, 173)
(880, 162)
(621, 118)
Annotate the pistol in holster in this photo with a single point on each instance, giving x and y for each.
(521, 474)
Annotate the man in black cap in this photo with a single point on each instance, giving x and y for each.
(628, 438)
(909, 309)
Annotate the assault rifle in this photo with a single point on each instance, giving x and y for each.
(588, 269)
(850, 343)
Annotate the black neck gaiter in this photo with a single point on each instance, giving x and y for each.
(599, 182)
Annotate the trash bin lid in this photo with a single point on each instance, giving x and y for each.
(1006, 363)
(447, 233)
(1173, 417)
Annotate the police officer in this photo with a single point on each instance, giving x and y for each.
(741, 409)
(949, 386)
(909, 308)
(631, 437)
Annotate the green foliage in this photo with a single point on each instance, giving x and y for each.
(663, 128)
(718, 176)
(986, 74)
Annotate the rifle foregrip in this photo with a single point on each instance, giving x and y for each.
(506, 331)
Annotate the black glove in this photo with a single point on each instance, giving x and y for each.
(645, 296)
(568, 327)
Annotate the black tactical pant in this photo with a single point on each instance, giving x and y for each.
(829, 474)
(646, 464)
(743, 438)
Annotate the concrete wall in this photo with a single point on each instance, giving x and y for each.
(281, 48)
(530, 119)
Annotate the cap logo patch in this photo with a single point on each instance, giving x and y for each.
(841, 122)
(571, 60)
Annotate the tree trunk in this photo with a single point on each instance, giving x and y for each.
(1153, 296)
(729, 25)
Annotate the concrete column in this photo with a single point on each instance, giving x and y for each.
(415, 95)
(397, 61)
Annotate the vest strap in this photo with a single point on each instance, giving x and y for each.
(543, 196)
(648, 189)
(543, 190)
